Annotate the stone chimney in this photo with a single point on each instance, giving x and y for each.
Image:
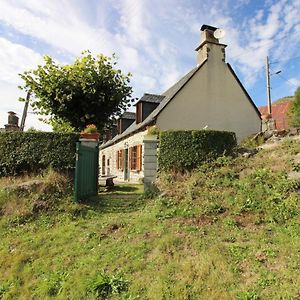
(209, 47)
(13, 122)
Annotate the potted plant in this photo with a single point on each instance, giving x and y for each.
(90, 132)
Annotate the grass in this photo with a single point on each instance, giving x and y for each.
(229, 230)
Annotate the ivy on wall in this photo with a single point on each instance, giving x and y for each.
(32, 152)
(186, 150)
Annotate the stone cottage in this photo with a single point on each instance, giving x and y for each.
(209, 96)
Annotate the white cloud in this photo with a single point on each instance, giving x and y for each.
(15, 59)
(295, 82)
(154, 39)
(56, 23)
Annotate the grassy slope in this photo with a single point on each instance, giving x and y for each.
(225, 232)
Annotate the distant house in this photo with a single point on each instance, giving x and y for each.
(279, 113)
(209, 96)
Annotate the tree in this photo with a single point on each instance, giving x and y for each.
(294, 110)
(89, 91)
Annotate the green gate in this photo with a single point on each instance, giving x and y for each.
(86, 172)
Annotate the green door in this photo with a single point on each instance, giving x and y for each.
(86, 172)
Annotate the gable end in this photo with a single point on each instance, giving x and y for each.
(244, 90)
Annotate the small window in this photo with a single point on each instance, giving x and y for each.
(133, 158)
(120, 160)
(136, 158)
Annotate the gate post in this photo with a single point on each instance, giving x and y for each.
(77, 173)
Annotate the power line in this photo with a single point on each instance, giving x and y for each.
(288, 81)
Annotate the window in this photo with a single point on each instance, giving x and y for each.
(120, 159)
(135, 157)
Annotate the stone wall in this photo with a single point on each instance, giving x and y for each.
(111, 155)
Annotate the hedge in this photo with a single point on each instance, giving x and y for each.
(31, 152)
(186, 150)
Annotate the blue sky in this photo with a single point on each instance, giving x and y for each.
(154, 40)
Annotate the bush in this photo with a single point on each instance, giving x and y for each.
(294, 110)
(186, 150)
(31, 152)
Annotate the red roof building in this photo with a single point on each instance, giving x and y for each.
(279, 113)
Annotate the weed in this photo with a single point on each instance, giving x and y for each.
(296, 167)
(215, 209)
(4, 287)
(252, 142)
(52, 283)
(229, 222)
(237, 253)
(104, 285)
(252, 295)
(266, 280)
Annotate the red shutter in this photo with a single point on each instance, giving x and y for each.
(139, 158)
(117, 161)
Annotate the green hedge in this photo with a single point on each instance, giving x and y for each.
(31, 152)
(186, 150)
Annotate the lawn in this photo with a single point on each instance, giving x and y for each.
(230, 232)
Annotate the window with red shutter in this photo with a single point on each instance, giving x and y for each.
(139, 158)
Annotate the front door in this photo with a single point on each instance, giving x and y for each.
(126, 167)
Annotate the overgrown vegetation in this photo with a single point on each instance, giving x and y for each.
(186, 150)
(227, 230)
(32, 152)
(294, 110)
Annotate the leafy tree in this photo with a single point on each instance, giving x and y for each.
(294, 111)
(88, 91)
(59, 125)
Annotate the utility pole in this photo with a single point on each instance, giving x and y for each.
(22, 125)
(268, 86)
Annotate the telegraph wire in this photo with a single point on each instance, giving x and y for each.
(288, 81)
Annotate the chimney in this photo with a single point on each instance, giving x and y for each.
(210, 48)
(13, 121)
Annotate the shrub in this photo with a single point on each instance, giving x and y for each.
(294, 110)
(31, 152)
(186, 150)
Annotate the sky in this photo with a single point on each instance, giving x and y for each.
(153, 39)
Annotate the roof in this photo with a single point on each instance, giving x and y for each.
(128, 115)
(152, 98)
(279, 113)
(167, 97)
